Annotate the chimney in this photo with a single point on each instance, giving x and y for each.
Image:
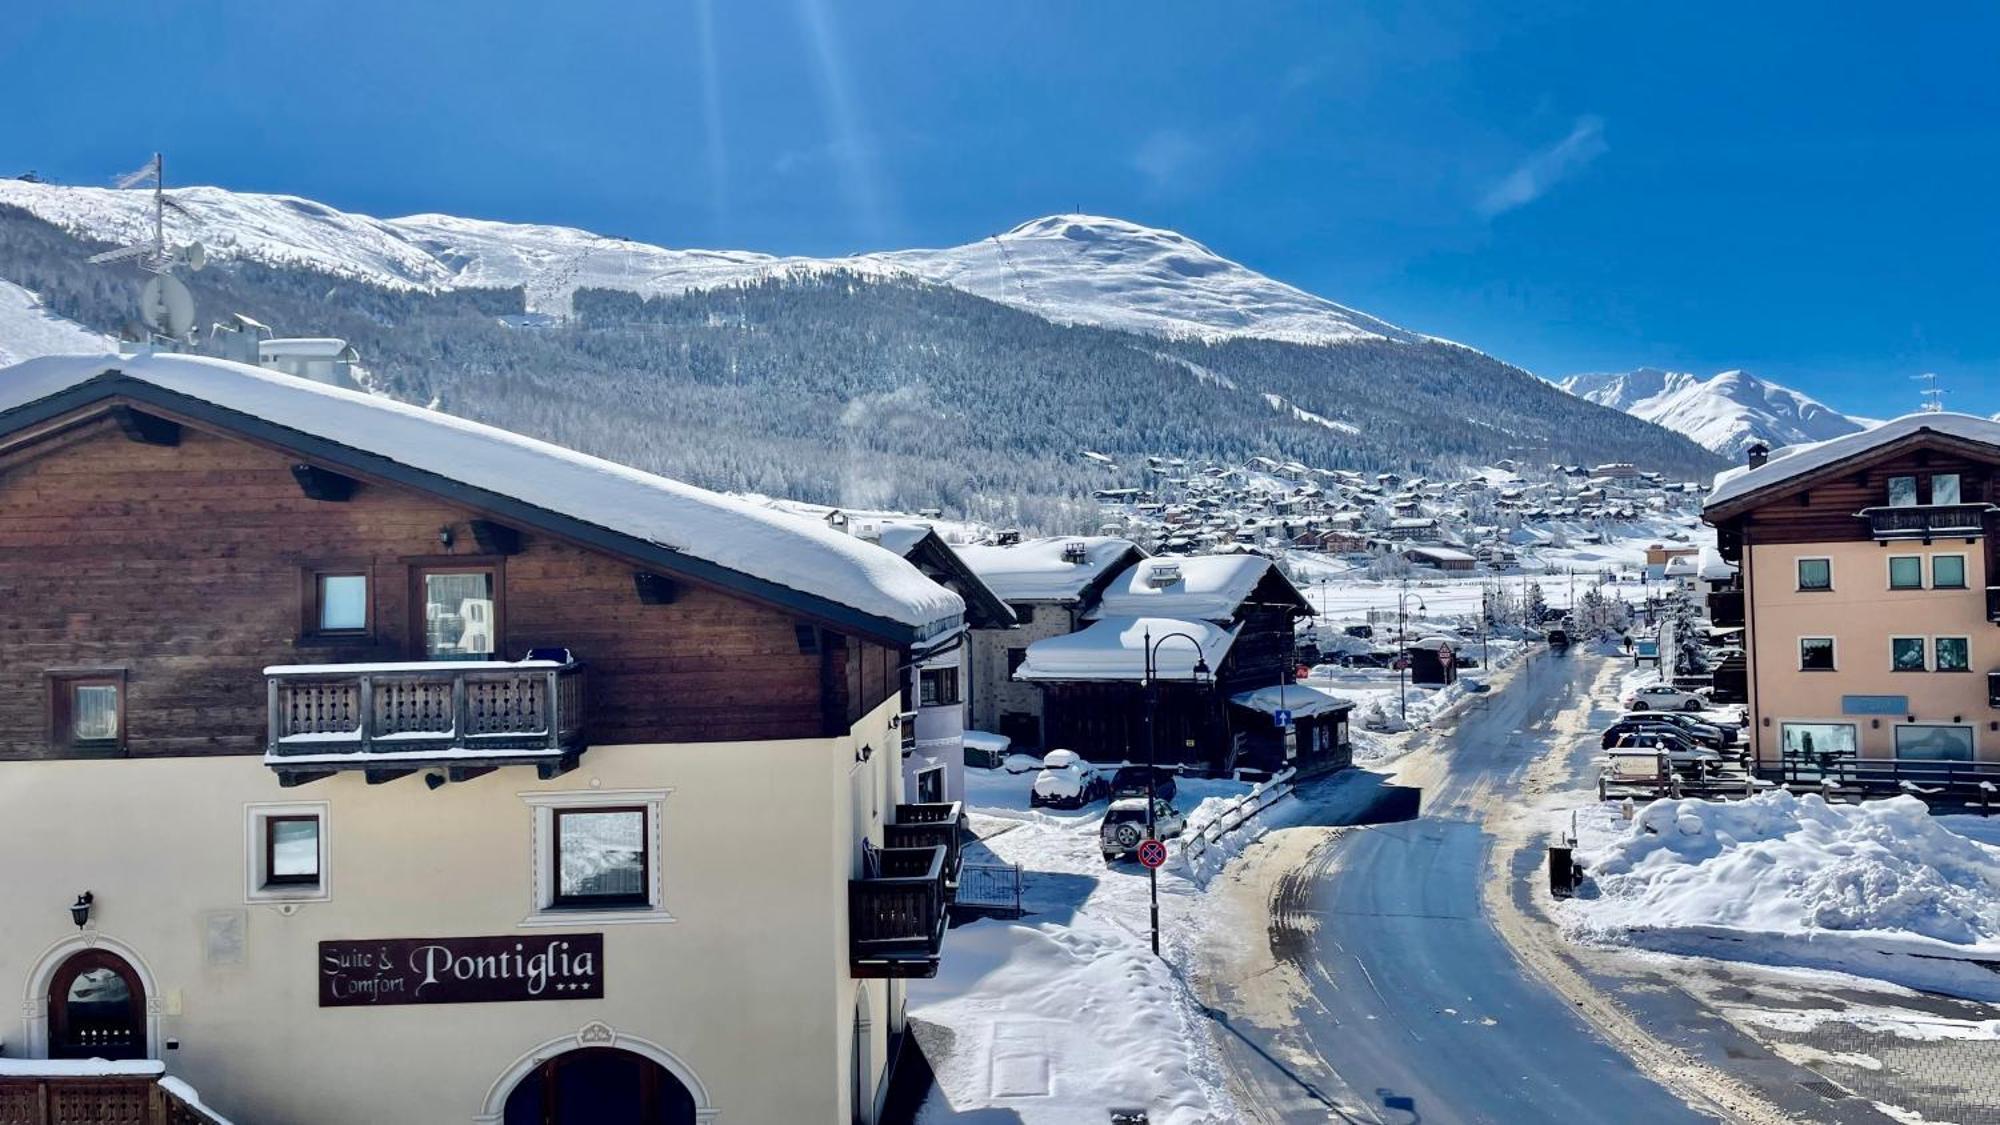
(1758, 454)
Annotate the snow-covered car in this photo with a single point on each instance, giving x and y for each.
(1125, 825)
(1067, 782)
(1662, 697)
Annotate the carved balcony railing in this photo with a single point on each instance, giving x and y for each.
(1926, 521)
(471, 714)
(934, 824)
(896, 915)
(1725, 608)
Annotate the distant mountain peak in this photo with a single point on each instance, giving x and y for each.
(1725, 412)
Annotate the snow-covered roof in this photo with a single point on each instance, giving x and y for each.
(308, 346)
(1200, 587)
(1713, 568)
(1442, 554)
(1681, 566)
(1794, 461)
(709, 531)
(1039, 570)
(1302, 701)
(1115, 649)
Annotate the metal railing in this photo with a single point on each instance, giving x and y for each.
(990, 888)
(1923, 521)
(377, 708)
(1974, 784)
(1237, 813)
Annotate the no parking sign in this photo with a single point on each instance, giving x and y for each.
(1152, 853)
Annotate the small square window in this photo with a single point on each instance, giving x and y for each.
(291, 851)
(87, 710)
(1948, 572)
(1816, 654)
(1944, 488)
(1902, 492)
(1954, 654)
(1906, 572)
(600, 857)
(1815, 574)
(938, 687)
(343, 603)
(1906, 654)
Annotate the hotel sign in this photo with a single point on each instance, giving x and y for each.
(461, 970)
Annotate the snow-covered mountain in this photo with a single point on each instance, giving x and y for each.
(28, 330)
(1073, 269)
(1725, 412)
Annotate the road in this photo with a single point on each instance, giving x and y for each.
(1401, 1000)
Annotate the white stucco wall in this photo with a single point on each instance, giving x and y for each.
(746, 988)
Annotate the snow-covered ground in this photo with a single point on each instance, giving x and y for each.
(28, 329)
(1065, 1015)
(1880, 889)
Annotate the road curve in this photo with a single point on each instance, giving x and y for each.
(1418, 1010)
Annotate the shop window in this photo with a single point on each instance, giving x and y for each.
(1934, 742)
(1817, 740)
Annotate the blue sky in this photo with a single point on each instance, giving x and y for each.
(1804, 190)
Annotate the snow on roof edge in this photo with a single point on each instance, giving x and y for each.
(1793, 461)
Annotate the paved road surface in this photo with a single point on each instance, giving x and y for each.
(1418, 1010)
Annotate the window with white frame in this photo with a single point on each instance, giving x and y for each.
(1815, 654)
(1934, 742)
(1948, 572)
(1906, 654)
(1815, 574)
(1906, 572)
(596, 857)
(938, 687)
(1954, 654)
(285, 855)
(1944, 488)
(1902, 491)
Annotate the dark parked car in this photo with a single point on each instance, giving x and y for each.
(1701, 730)
(1131, 782)
(1617, 731)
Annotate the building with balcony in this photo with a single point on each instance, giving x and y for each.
(364, 764)
(1866, 567)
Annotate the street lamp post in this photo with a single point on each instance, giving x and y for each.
(1152, 688)
(1403, 653)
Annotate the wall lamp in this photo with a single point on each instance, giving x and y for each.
(445, 537)
(79, 911)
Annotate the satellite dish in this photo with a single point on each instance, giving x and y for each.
(197, 256)
(167, 306)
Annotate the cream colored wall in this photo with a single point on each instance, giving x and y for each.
(1861, 613)
(747, 987)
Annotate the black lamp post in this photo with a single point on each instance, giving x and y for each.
(1152, 688)
(1403, 655)
(79, 911)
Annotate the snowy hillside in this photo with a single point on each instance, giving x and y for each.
(1073, 269)
(1725, 413)
(28, 330)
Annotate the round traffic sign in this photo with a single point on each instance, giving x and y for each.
(1152, 853)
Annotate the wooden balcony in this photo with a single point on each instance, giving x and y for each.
(1725, 608)
(933, 825)
(79, 1099)
(1927, 521)
(392, 719)
(896, 917)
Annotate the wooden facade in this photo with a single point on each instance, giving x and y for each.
(182, 560)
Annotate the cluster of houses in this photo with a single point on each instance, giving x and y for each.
(1487, 517)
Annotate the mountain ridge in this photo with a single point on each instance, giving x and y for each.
(1725, 413)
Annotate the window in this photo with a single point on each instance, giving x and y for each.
(285, 853)
(1015, 658)
(1954, 654)
(1948, 572)
(1925, 742)
(291, 851)
(337, 603)
(87, 710)
(938, 687)
(596, 857)
(1815, 654)
(1906, 572)
(1906, 654)
(460, 612)
(1815, 574)
(1902, 492)
(1944, 488)
(1817, 740)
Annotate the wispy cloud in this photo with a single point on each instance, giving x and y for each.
(1167, 158)
(1545, 169)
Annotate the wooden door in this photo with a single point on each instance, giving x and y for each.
(97, 1009)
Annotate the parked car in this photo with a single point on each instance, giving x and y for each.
(1646, 722)
(1680, 752)
(1067, 782)
(1125, 825)
(1558, 640)
(1662, 697)
(1130, 781)
(1701, 729)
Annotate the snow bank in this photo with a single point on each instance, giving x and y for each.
(1877, 889)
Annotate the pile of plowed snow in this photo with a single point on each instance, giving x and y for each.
(1793, 880)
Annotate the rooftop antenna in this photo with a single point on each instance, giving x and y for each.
(1932, 394)
(164, 301)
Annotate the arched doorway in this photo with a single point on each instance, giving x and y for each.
(97, 1008)
(599, 1086)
